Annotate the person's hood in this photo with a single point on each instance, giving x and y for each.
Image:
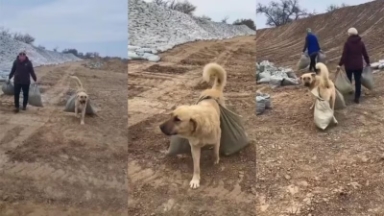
(354, 39)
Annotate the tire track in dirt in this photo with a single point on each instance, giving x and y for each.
(15, 140)
(158, 100)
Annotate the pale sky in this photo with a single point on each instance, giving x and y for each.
(86, 25)
(218, 10)
(310, 5)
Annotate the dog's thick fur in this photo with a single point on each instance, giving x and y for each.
(81, 99)
(200, 123)
(327, 90)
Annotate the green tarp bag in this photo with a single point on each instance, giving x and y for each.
(233, 136)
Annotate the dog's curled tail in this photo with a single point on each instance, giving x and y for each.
(215, 72)
(79, 84)
(324, 74)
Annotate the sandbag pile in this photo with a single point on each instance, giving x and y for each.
(266, 72)
(378, 65)
(140, 53)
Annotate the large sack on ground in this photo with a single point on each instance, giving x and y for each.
(339, 102)
(233, 136)
(367, 78)
(323, 113)
(342, 83)
(70, 106)
(321, 57)
(8, 88)
(303, 62)
(34, 98)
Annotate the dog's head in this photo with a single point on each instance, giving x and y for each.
(308, 79)
(82, 97)
(180, 122)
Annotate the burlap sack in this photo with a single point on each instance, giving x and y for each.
(367, 78)
(34, 98)
(323, 113)
(339, 102)
(8, 88)
(342, 83)
(233, 136)
(70, 106)
(321, 57)
(303, 61)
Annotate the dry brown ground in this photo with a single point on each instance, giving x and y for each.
(300, 170)
(52, 165)
(158, 185)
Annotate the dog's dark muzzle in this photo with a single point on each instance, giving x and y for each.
(167, 129)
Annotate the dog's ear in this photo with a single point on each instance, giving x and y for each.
(313, 75)
(194, 125)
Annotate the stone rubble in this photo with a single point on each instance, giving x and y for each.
(10, 48)
(154, 29)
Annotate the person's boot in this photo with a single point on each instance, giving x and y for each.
(24, 108)
(356, 100)
(16, 110)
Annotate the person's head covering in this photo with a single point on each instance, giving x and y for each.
(309, 30)
(352, 31)
(23, 51)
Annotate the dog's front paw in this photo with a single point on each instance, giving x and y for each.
(195, 183)
(217, 160)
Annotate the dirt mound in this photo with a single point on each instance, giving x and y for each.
(285, 44)
(300, 170)
(158, 185)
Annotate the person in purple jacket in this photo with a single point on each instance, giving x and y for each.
(352, 58)
(22, 70)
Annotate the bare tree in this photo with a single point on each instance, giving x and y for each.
(333, 7)
(56, 49)
(5, 32)
(26, 38)
(184, 6)
(282, 12)
(41, 47)
(225, 19)
(247, 22)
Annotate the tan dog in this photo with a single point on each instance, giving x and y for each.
(81, 101)
(200, 123)
(327, 90)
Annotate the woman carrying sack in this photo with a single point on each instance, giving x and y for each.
(22, 70)
(354, 50)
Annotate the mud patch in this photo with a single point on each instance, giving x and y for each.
(167, 69)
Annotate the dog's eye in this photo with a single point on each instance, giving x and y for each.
(176, 119)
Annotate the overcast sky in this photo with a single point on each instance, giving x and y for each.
(218, 10)
(87, 25)
(310, 5)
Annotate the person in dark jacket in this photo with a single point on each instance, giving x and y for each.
(313, 47)
(22, 70)
(352, 59)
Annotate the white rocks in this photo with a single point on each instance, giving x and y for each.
(159, 29)
(10, 48)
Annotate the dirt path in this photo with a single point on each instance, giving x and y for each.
(300, 170)
(50, 164)
(158, 185)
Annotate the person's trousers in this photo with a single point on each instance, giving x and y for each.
(18, 88)
(357, 76)
(312, 64)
